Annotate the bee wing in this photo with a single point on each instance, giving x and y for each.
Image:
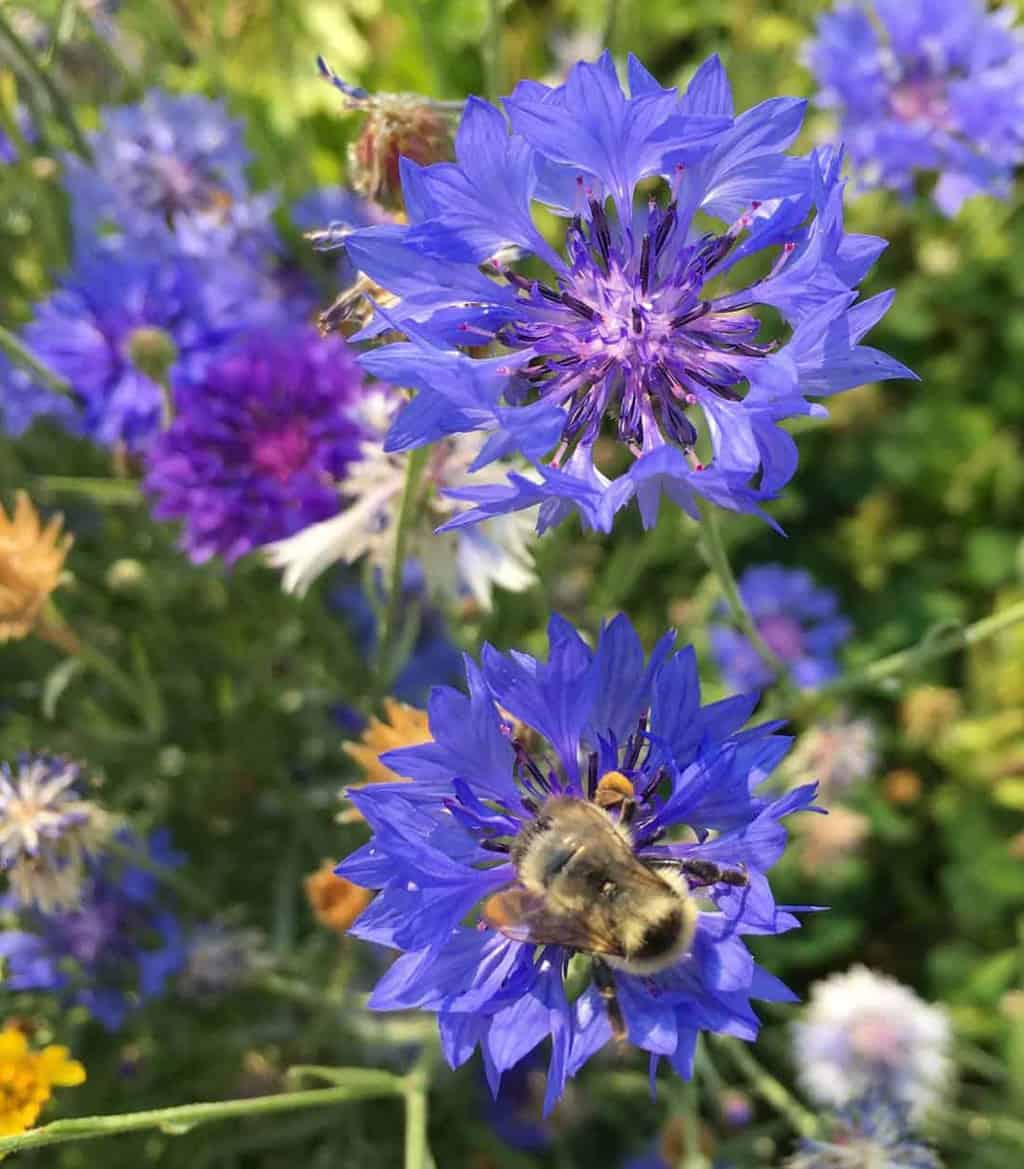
(525, 917)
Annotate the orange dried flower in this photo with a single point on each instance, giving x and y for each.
(401, 726)
(31, 560)
(335, 901)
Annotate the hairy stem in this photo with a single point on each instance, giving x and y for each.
(765, 1085)
(491, 50)
(349, 1084)
(22, 356)
(718, 562)
(407, 515)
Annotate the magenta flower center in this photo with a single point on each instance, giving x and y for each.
(921, 99)
(282, 453)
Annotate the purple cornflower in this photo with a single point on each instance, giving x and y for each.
(645, 320)
(116, 948)
(799, 622)
(602, 735)
(171, 167)
(925, 85)
(258, 444)
(120, 323)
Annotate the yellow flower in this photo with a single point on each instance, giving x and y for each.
(27, 1079)
(31, 560)
(402, 726)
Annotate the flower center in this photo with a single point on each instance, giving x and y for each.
(920, 99)
(280, 454)
(878, 1041)
(783, 636)
(178, 187)
(628, 332)
(21, 1095)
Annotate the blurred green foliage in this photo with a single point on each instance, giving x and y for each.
(907, 502)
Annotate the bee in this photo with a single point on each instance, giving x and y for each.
(579, 884)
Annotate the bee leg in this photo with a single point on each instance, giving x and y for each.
(604, 980)
(627, 811)
(701, 872)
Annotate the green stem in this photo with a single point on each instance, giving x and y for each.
(112, 491)
(60, 104)
(692, 1157)
(929, 650)
(360, 1084)
(492, 50)
(417, 1084)
(611, 20)
(407, 513)
(767, 1086)
(718, 562)
(23, 356)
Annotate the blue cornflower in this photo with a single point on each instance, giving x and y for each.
(625, 744)
(116, 948)
(926, 85)
(259, 443)
(646, 315)
(170, 168)
(799, 622)
(121, 323)
(872, 1132)
(23, 400)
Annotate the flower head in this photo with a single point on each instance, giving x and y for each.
(259, 443)
(122, 325)
(113, 950)
(27, 1079)
(31, 560)
(643, 326)
(470, 561)
(47, 830)
(219, 959)
(925, 85)
(171, 168)
(597, 741)
(864, 1032)
(871, 1133)
(799, 622)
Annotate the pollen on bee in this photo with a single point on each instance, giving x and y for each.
(612, 788)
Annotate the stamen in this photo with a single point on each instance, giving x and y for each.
(645, 263)
(665, 227)
(578, 306)
(638, 320)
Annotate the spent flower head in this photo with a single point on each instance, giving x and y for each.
(644, 326)
(838, 752)
(48, 830)
(798, 621)
(599, 741)
(863, 1033)
(934, 86)
(396, 126)
(32, 558)
(28, 1077)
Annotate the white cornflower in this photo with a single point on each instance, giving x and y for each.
(867, 1033)
(47, 831)
(468, 561)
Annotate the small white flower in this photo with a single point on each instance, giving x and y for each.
(837, 753)
(470, 561)
(865, 1032)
